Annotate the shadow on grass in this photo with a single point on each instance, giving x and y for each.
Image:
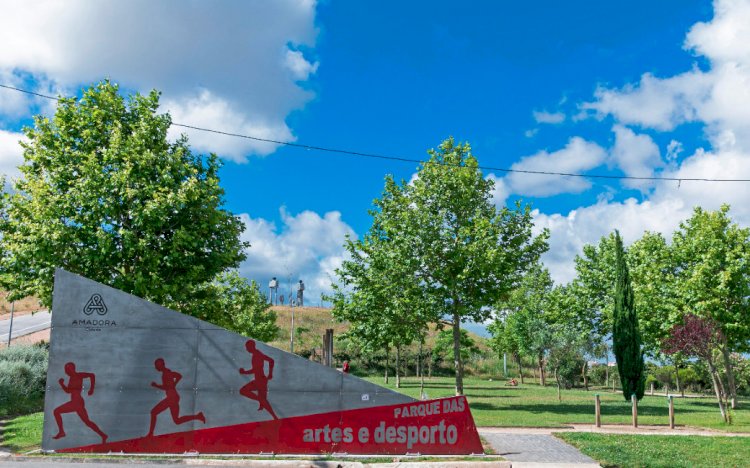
(588, 409)
(451, 386)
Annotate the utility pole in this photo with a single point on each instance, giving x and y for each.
(291, 304)
(291, 335)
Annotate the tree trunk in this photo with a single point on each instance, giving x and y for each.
(606, 370)
(717, 387)
(557, 380)
(730, 372)
(421, 373)
(457, 350)
(541, 371)
(387, 356)
(677, 379)
(585, 374)
(520, 367)
(398, 366)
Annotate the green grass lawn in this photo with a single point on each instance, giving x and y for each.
(494, 404)
(23, 433)
(661, 451)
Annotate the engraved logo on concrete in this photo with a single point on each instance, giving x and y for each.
(95, 304)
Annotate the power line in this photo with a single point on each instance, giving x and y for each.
(413, 160)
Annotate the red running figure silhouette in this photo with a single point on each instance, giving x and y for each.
(169, 380)
(257, 389)
(76, 403)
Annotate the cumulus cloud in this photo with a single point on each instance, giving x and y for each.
(306, 246)
(718, 98)
(549, 117)
(11, 154)
(577, 156)
(207, 110)
(636, 154)
(586, 225)
(207, 58)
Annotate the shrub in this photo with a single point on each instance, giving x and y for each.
(23, 374)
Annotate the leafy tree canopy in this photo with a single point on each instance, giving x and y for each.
(105, 194)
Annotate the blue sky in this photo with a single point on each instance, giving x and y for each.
(635, 88)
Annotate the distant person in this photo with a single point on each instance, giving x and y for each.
(257, 389)
(281, 299)
(300, 293)
(345, 368)
(273, 291)
(171, 401)
(76, 404)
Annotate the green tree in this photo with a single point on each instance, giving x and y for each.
(238, 305)
(461, 250)
(444, 345)
(626, 336)
(104, 194)
(377, 292)
(713, 264)
(527, 317)
(653, 272)
(504, 340)
(565, 357)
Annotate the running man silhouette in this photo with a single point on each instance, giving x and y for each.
(257, 389)
(169, 380)
(76, 404)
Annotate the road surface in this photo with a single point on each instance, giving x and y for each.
(24, 325)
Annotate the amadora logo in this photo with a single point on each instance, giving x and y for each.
(95, 304)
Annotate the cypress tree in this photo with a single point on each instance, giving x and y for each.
(625, 334)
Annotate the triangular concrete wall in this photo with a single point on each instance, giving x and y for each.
(120, 347)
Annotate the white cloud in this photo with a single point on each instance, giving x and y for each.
(11, 154)
(299, 66)
(586, 225)
(636, 154)
(206, 110)
(674, 149)
(307, 246)
(726, 36)
(549, 117)
(719, 98)
(237, 53)
(577, 156)
(654, 102)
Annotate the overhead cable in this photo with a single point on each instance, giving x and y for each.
(414, 160)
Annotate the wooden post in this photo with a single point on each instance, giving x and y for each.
(671, 411)
(598, 410)
(329, 333)
(634, 400)
(328, 348)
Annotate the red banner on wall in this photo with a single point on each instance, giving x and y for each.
(443, 426)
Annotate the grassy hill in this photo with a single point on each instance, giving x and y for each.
(317, 319)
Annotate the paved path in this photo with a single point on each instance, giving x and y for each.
(24, 325)
(524, 449)
(617, 429)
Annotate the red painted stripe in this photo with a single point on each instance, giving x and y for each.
(434, 427)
